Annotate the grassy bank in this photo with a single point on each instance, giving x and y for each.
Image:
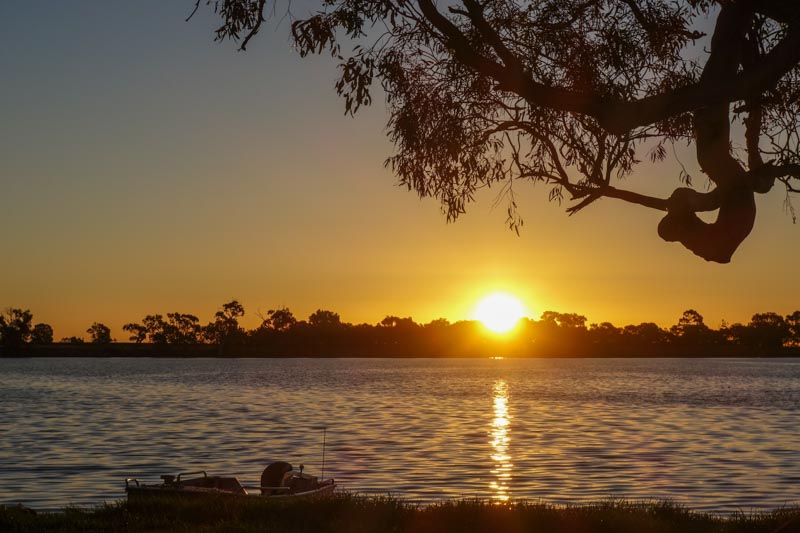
(356, 514)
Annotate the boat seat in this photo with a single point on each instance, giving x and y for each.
(229, 484)
(224, 484)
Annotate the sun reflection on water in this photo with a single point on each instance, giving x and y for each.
(500, 435)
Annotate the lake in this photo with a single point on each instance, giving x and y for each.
(716, 434)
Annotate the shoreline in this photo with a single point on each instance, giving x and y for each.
(150, 350)
(367, 514)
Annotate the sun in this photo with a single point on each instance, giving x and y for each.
(499, 312)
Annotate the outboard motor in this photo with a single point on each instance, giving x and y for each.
(273, 476)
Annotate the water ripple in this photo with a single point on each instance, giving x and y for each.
(720, 435)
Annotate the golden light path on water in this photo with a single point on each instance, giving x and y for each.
(500, 434)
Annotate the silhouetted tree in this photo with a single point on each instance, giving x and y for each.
(225, 330)
(138, 332)
(793, 326)
(438, 337)
(406, 323)
(156, 328)
(182, 328)
(15, 327)
(324, 319)
(99, 333)
(398, 336)
(42, 334)
(605, 333)
(178, 328)
(689, 318)
(691, 329)
(279, 320)
(439, 323)
(73, 340)
(561, 332)
(572, 93)
(572, 321)
(646, 333)
(767, 331)
(735, 334)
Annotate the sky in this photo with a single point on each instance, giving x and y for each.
(145, 168)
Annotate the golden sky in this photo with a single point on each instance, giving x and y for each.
(146, 169)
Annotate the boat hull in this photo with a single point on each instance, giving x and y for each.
(147, 492)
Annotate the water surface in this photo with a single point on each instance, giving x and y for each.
(715, 434)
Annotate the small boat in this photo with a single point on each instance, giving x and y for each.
(278, 481)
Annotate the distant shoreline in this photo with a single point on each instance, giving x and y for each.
(163, 351)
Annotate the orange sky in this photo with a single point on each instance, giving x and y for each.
(145, 169)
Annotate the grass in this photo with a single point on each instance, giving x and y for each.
(358, 514)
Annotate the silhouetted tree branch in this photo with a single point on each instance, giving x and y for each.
(569, 92)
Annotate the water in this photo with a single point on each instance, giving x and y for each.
(717, 435)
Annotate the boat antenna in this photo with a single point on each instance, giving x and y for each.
(324, 433)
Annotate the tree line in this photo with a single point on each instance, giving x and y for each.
(323, 334)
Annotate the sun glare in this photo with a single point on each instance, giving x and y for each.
(499, 312)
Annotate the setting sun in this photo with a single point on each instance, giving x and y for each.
(499, 312)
